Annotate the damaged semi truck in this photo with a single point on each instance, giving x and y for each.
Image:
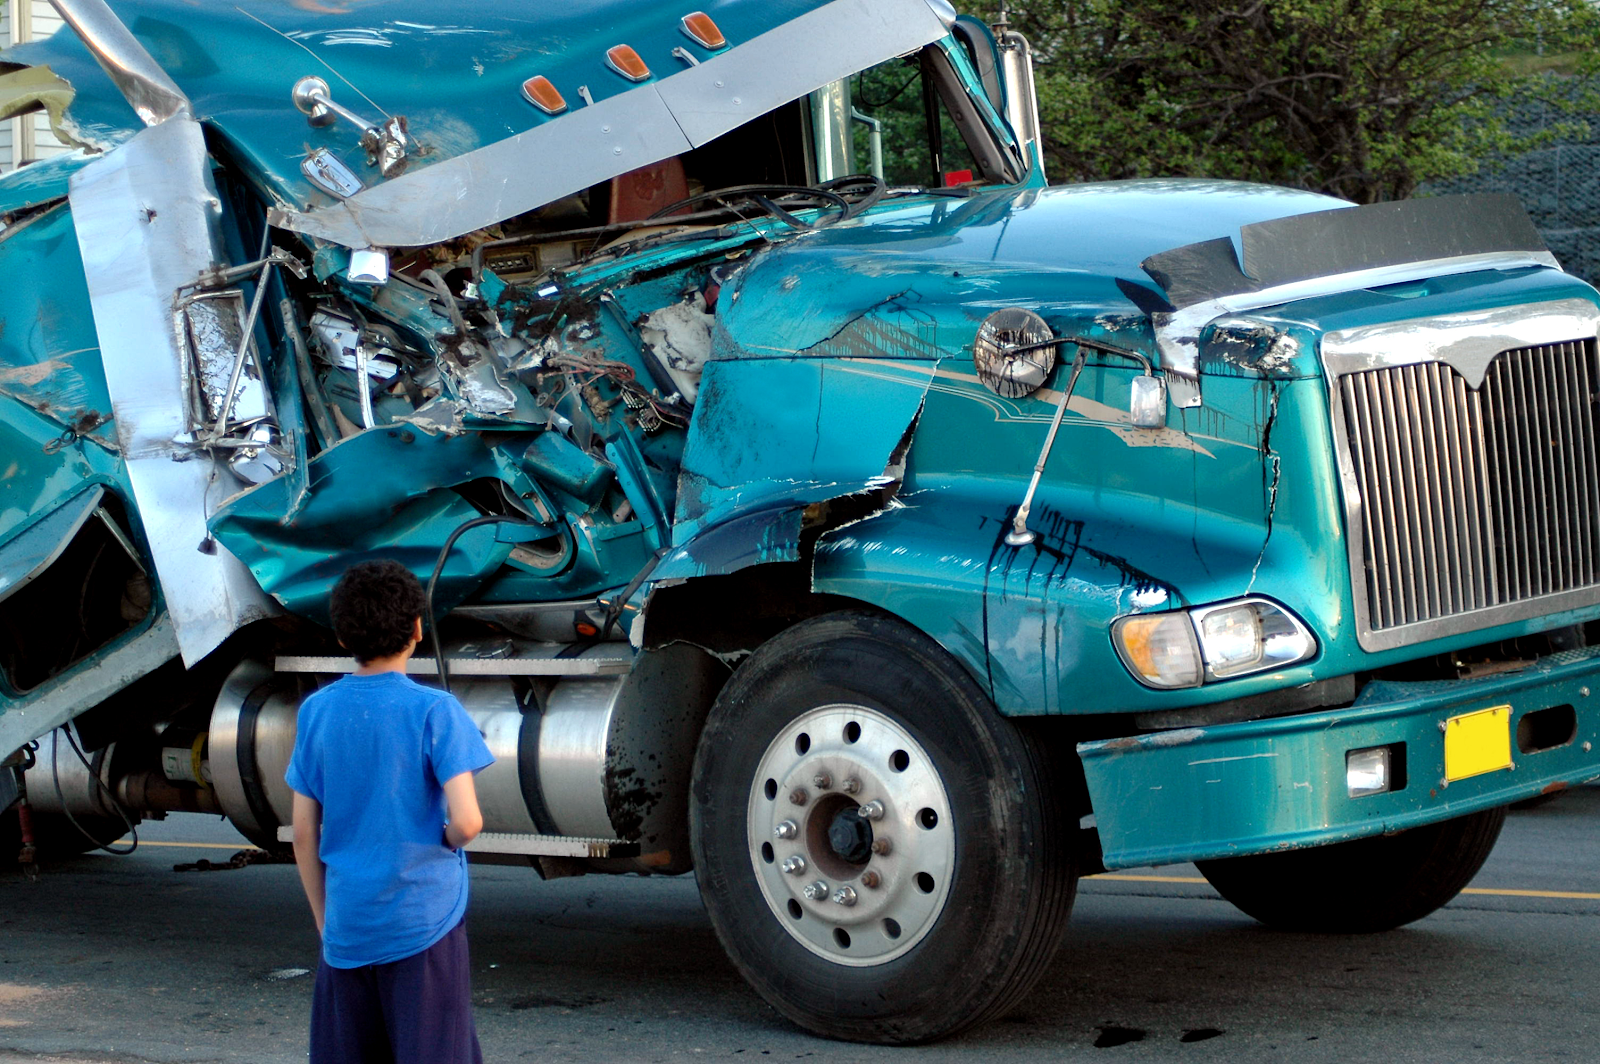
(808, 495)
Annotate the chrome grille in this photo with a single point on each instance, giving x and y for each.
(1474, 499)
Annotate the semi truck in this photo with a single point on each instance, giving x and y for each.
(808, 495)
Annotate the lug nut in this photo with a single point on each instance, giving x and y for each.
(795, 866)
(844, 896)
(815, 891)
(851, 785)
(822, 781)
(871, 879)
(882, 847)
(873, 810)
(786, 829)
(798, 796)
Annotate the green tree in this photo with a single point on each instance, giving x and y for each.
(1364, 99)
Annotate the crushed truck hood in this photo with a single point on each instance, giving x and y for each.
(457, 79)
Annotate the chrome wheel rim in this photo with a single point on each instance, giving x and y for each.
(856, 889)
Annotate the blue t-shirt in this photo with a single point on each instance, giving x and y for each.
(375, 751)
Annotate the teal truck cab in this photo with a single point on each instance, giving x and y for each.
(807, 494)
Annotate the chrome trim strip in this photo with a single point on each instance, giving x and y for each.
(655, 121)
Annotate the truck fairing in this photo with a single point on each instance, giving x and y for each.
(655, 387)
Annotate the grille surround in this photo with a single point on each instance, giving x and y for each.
(1468, 449)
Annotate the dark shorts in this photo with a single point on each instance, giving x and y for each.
(417, 1010)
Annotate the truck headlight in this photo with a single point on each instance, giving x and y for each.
(1207, 643)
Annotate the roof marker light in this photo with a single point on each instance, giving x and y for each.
(625, 61)
(538, 91)
(704, 32)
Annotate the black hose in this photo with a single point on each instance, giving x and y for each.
(55, 777)
(438, 567)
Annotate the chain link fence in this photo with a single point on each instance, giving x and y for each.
(1559, 185)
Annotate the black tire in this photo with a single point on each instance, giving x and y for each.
(1362, 886)
(1010, 874)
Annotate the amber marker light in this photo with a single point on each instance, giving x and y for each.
(542, 94)
(625, 61)
(701, 30)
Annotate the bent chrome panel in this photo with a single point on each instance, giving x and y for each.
(1325, 252)
(145, 216)
(653, 122)
(1468, 342)
(153, 95)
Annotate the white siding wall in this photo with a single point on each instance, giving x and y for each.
(25, 139)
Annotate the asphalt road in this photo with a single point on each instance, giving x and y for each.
(109, 959)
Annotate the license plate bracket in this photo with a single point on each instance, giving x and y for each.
(1476, 743)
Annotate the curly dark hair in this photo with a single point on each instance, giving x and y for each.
(373, 607)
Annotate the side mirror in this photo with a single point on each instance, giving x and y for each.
(1021, 102)
(1147, 402)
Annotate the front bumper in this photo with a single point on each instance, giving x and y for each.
(1277, 784)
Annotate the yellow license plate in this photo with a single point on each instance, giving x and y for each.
(1478, 742)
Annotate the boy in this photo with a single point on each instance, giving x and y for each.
(384, 800)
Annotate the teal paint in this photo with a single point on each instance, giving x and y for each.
(1237, 789)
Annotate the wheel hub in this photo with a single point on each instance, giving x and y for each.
(850, 834)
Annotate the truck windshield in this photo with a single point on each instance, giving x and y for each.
(908, 121)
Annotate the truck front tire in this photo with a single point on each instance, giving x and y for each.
(879, 851)
(1365, 885)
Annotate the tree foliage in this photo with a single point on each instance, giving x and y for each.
(1364, 99)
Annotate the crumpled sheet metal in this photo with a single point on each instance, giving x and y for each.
(381, 494)
(595, 142)
(49, 353)
(782, 432)
(145, 223)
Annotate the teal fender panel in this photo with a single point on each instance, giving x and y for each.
(782, 431)
(1277, 784)
(49, 352)
(1030, 624)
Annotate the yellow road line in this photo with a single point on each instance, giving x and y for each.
(1505, 892)
(1508, 893)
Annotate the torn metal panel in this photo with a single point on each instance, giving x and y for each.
(49, 353)
(767, 535)
(1324, 252)
(350, 515)
(778, 431)
(614, 136)
(39, 89)
(145, 218)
